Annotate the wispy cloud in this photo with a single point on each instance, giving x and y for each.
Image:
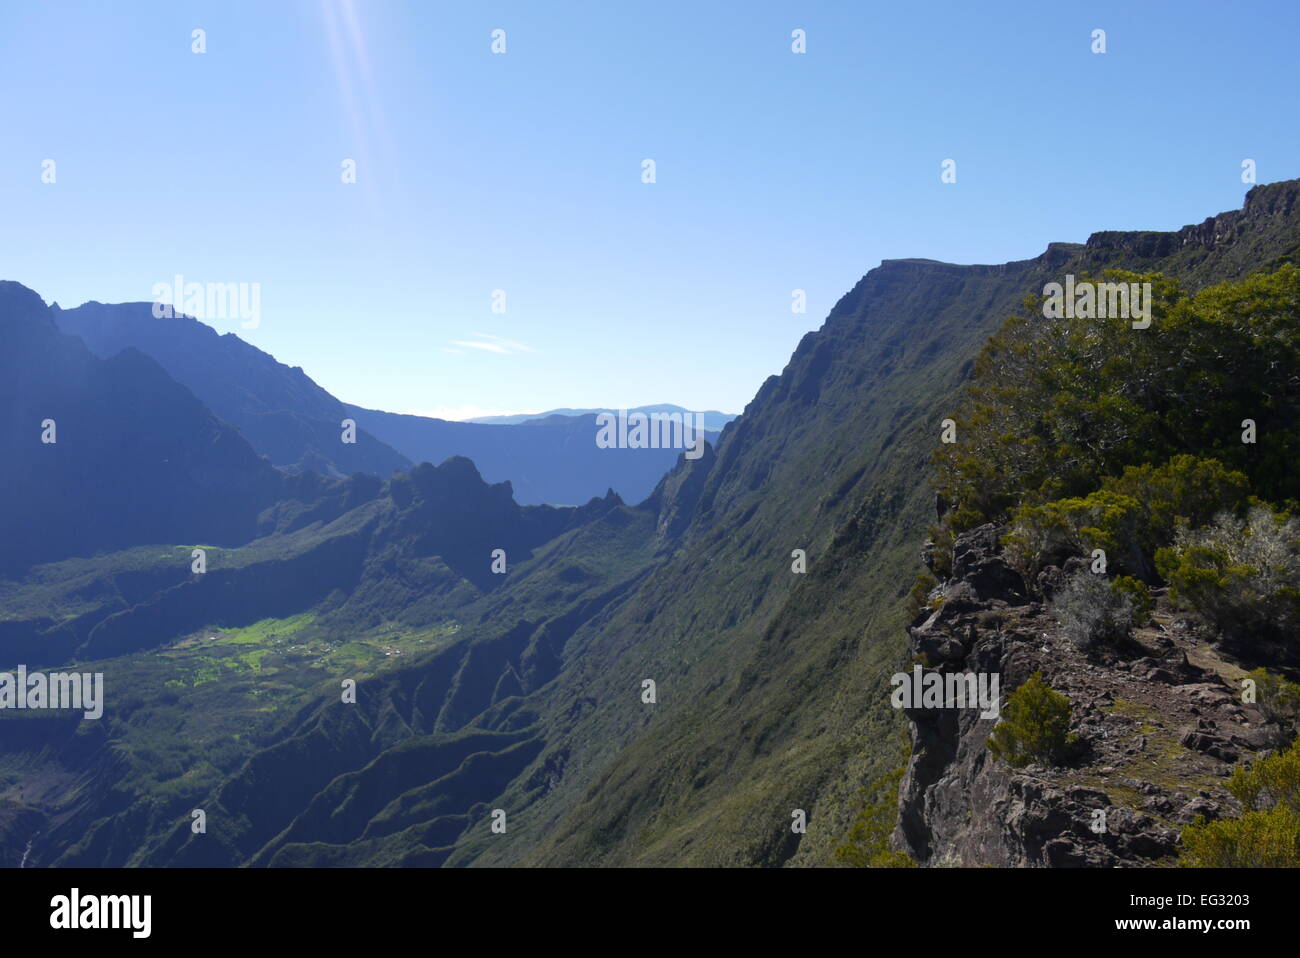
(492, 344)
(487, 347)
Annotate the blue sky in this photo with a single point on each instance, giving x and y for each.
(522, 172)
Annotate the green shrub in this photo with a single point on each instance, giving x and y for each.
(1268, 834)
(1035, 726)
(1272, 782)
(1277, 698)
(1040, 535)
(1091, 612)
(1256, 840)
(1243, 576)
(918, 597)
(941, 557)
(1130, 517)
(1137, 593)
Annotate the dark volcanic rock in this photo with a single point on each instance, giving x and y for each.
(958, 805)
(1210, 744)
(977, 560)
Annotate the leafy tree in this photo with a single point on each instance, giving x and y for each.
(1058, 406)
(1054, 405)
(1236, 352)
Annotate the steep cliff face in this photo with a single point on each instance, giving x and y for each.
(1159, 719)
(1263, 234)
(1159, 725)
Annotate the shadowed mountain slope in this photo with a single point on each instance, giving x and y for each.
(135, 458)
(281, 412)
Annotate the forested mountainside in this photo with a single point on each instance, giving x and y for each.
(525, 691)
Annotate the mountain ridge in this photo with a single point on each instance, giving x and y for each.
(297, 424)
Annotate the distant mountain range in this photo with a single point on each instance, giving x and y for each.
(295, 423)
(554, 460)
(713, 420)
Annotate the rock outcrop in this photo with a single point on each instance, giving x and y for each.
(1157, 734)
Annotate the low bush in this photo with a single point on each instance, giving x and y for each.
(1278, 699)
(1035, 726)
(1242, 575)
(1137, 592)
(1130, 516)
(1092, 612)
(1268, 834)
